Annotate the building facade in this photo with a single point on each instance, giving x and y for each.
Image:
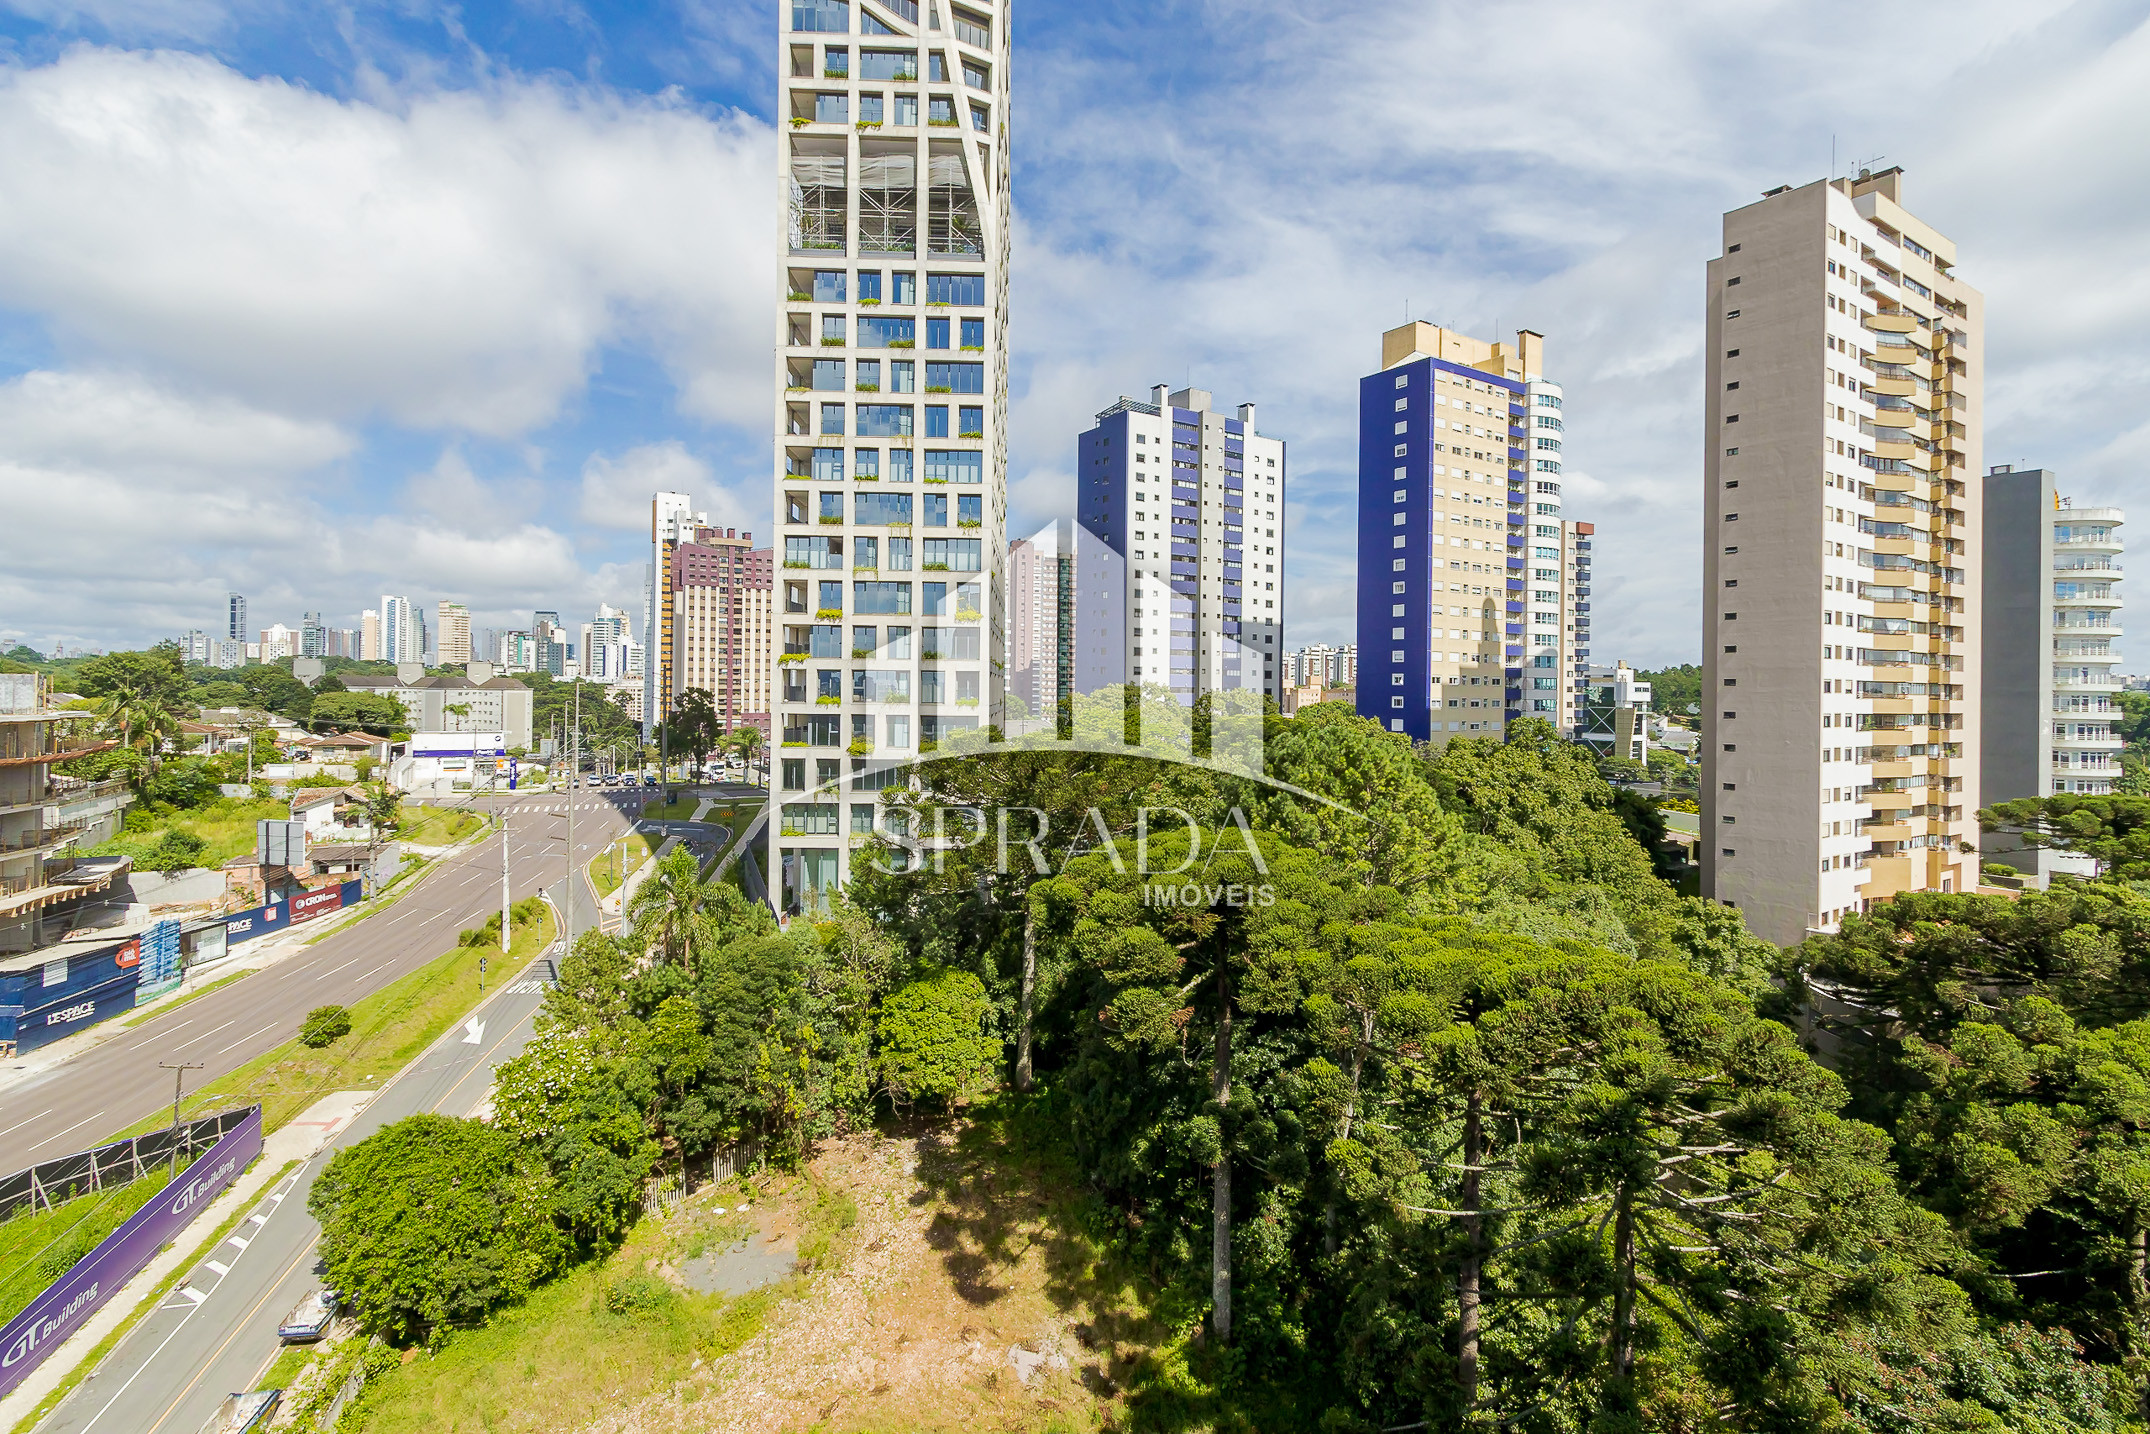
(369, 636)
(890, 398)
(452, 621)
(723, 625)
(1463, 611)
(494, 703)
(44, 819)
(1842, 566)
(1613, 717)
(235, 627)
(2048, 691)
(672, 521)
(1192, 502)
(402, 635)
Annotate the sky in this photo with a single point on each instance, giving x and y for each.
(325, 299)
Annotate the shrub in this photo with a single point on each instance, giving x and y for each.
(171, 850)
(933, 1043)
(636, 1295)
(324, 1025)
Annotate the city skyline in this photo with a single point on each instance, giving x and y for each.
(524, 488)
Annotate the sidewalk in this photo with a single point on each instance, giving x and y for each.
(301, 1139)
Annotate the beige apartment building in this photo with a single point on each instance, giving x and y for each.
(452, 620)
(1842, 558)
(722, 631)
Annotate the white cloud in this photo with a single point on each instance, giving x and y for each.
(455, 260)
(107, 418)
(616, 491)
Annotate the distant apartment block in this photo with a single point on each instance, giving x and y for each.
(672, 521)
(49, 897)
(1191, 501)
(2049, 694)
(1843, 559)
(1468, 587)
(369, 636)
(194, 646)
(1041, 627)
(235, 626)
(453, 625)
(278, 641)
(1613, 717)
(722, 594)
(493, 703)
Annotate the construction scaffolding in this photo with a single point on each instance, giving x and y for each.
(952, 225)
(817, 213)
(888, 203)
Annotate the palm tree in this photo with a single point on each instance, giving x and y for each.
(747, 740)
(667, 907)
(141, 717)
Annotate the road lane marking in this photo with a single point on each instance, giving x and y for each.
(235, 1240)
(20, 1124)
(57, 1134)
(244, 1039)
(194, 1295)
(205, 1035)
(213, 1265)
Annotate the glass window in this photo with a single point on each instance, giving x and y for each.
(899, 465)
(974, 333)
(822, 17)
(936, 334)
(899, 555)
(828, 465)
(979, 120)
(870, 286)
(967, 603)
(958, 466)
(828, 286)
(936, 510)
(974, 75)
(958, 555)
(832, 506)
(878, 510)
(865, 553)
(929, 686)
(795, 774)
(962, 644)
(868, 374)
(867, 463)
(870, 25)
(837, 65)
(832, 109)
(832, 417)
(972, 29)
(905, 113)
(874, 684)
(869, 113)
(900, 378)
(832, 327)
(906, 287)
(832, 598)
(811, 553)
(810, 819)
(885, 420)
(937, 67)
(936, 420)
(955, 378)
(829, 683)
(965, 291)
(940, 109)
(899, 730)
(829, 377)
(888, 64)
(825, 639)
(882, 597)
(865, 641)
(971, 422)
(970, 511)
(934, 596)
(862, 816)
(898, 648)
(878, 331)
(966, 687)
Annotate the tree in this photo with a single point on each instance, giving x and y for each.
(667, 907)
(934, 1044)
(2114, 831)
(324, 1025)
(1674, 689)
(355, 711)
(154, 674)
(695, 725)
(433, 1221)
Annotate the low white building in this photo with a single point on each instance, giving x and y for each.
(439, 764)
(477, 702)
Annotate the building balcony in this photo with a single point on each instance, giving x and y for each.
(2107, 543)
(2109, 742)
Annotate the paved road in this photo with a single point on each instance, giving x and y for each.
(112, 1085)
(217, 1335)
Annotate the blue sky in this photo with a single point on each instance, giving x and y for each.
(326, 300)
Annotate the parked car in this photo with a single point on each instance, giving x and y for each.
(243, 1413)
(310, 1320)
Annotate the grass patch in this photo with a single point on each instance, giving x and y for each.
(607, 1332)
(388, 1030)
(189, 996)
(38, 1248)
(149, 1302)
(612, 866)
(679, 811)
(225, 826)
(284, 1369)
(438, 826)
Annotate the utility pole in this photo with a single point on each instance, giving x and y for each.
(179, 1080)
(567, 892)
(505, 918)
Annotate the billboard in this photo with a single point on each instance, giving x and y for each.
(267, 920)
(458, 744)
(65, 1015)
(280, 843)
(70, 1300)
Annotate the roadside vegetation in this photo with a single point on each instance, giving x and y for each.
(610, 868)
(38, 1247)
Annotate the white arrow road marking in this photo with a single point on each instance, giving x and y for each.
(473, 1031)
(193, 1294)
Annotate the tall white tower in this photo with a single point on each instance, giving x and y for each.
(891, 396)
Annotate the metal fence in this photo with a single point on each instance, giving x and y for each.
(110, 1166)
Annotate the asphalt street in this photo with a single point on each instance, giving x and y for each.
(216, 1333)
(116, 1083)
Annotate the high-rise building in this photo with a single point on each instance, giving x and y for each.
(235, 616)
(1466, 617)
(313, 637)
(1192, 501)
(400, 640)
(369, 636)
(1568, 594)
(454, 633)
(672, 521)
(603, 633)
(550, 641)
(1842, 558)
(2048, 691)
(891, 394)
(279, 641)
(1041, 628)
(722, 591)
(194, 647)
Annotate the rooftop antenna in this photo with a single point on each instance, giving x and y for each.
(1866, 166)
